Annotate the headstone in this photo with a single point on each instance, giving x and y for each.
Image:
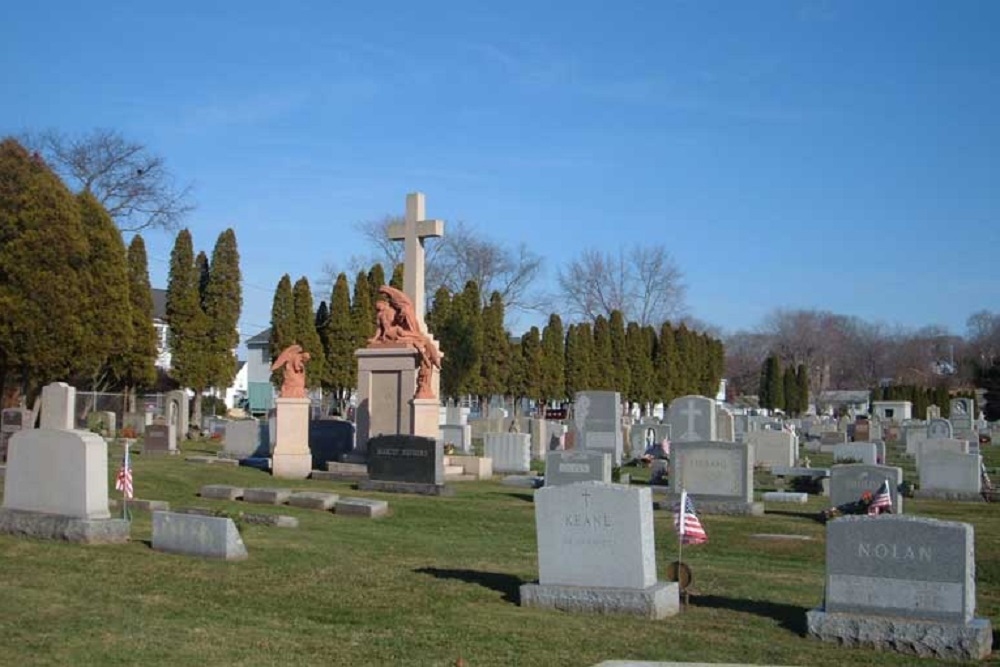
(725, 427)
(597, 421)
(313, 500)
(939, 428)
(741, 426)
(242, 439)
(933, 412)
(511, 452)
(646, 436)
(459, 435)
(363, 507)
(692, 419)
(717, 475)
(902, 583)
(786, 497)
(221, 492)
(329, 440)
(12, 420)
(267, 496)
(160, 439)
(849, 482)
(950, 475)
(941, 445)
(832, 438)
(195, 535)
(58, 407)
(773, 448)
(56, 487)
(856, 452)
(405, 464)
(963, 413)
(596, 552)
(178, 410)
(577, 466)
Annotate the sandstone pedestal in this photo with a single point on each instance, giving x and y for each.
(425, 417)
(291, 458)
(387, 378)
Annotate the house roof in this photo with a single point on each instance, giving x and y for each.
(263, 338)
(159, 304)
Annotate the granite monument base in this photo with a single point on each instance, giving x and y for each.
(716, 507)
(941, 494)
(389, 486)
(60, 527)
(926, 639)
(655, 602)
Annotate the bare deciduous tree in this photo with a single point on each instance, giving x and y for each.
(133, 184)
(644, 283)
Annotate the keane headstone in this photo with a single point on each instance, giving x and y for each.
(692, 419)
(902, 583)
(597, 420)
(848, 483)
(596, 552)
(577, 466)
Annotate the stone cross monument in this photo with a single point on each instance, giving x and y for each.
(412, 233)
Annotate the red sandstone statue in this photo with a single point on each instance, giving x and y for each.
(397, 323)
(293, 359)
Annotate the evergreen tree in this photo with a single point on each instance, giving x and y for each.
(571, 362)
(790, 391)
(397, 277)
(188, 333)
(362, 311)
(620, 376)
(942, 398)
(496, 349)
(802, 389)
(282, 324)
(603, 364)
(773, 395)
(306, 334)
(640, 366)
(204, 271)
(341, 367)
(322, 322)
(106, 307)
(531, 351)
(580, 360)
(43, 254)
(667, 366)
(376, 278)
(462, 343)
(553, 362)
(139, 369)
(223, 303)
(688, 372)
(438, 314)
(517, 373)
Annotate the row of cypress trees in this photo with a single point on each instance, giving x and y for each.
(786, 390)
(481, 357)
(75, 305)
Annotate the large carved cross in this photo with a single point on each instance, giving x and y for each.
(412, 233)
(691, 412)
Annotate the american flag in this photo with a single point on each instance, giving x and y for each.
(123, 480)
(686, 522)
(881, 501)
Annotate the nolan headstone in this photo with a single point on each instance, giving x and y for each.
(902, 583)
(329, 440)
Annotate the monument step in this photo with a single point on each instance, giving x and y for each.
(453, 470)
(331, 476)
(459, 477)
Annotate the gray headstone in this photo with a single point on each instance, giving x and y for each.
(692, 419)
(577, 466)
(221, 492)
(951, 472)
(12, 420)
(963, 414)
(160, 439)
(939, 428)
(511, 452)
(849, 482)
(242, 439)
(459, 435)
(194, 535)
(365, 507)
(648, 437)
(773, 448)
(861, 452)
(267, 496)
(714, 471)
(597, 422)
(313, 500)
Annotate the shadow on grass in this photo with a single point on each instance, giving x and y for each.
(791, 617)
(812, 516)
(527, 497)
(507, 584)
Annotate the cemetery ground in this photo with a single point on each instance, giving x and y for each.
(435, 580)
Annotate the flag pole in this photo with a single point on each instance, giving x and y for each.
(680, 531)
(127, 465)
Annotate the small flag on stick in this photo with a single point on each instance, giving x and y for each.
(881, 501)
(687, 524)
(123, 480)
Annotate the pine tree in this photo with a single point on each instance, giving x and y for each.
(376, 278)
(603, 364)
(438, 314)
(282, 324)
(553, 361)
(667, 366)
(139, 370)
(640, 367)
(942, 398)
(496, 349)
(802, 389)
(306, 334)
(223, 303)
(462, 343)
(204, 271)
(531, 350)
(43, 252)
(517, 373)
(341, 367)
(362, 311)
(397, 277)
(106, 308)
(790, 391)
(774, 388)
(621, 379)
(188, 331)
(571, 362)
(322, 322)
(687, 362)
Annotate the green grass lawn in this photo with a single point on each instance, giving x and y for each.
(436, 580)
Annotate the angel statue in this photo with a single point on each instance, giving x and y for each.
(293, 359)
(397, 322)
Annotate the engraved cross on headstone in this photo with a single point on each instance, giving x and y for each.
(691, 412)
(412, 233)
(586, 499)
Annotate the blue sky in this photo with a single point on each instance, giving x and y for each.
(834, 155)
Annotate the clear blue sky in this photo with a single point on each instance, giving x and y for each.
(833, 155)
